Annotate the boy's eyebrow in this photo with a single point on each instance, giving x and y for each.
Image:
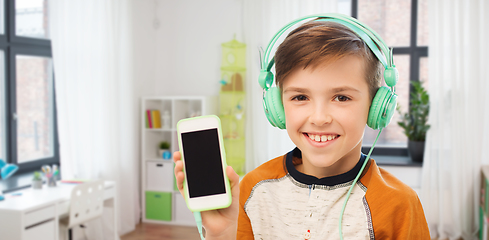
(334, 90)
(344, 88)
(295, 89)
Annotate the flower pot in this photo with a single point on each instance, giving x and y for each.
(164, 153)
(37, 184)
(416, 150)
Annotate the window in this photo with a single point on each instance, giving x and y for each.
(28, 128)
(403, 24)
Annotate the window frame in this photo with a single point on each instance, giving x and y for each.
(12, 46)
(415, 53)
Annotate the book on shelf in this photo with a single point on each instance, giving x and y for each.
(153, 119)
(148, 118)
(156, 118)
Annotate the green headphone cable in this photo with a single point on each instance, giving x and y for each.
(353, 184)
(198, 221)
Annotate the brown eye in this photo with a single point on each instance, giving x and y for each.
(341, 98)
(299, 98)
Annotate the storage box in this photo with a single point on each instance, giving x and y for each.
(159, 176)
(159, 205)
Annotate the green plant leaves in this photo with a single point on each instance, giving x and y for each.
(415, 121)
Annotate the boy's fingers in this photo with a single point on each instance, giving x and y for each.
(178, 167)
(176, 156)
(179, 176)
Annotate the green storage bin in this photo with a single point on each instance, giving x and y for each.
(159, 206)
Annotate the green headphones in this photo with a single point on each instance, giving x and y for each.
(385, 100)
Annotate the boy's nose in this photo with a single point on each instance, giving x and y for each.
(321, 116)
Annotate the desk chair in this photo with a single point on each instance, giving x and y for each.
(86, 203)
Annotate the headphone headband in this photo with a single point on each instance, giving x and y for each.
(368, 35)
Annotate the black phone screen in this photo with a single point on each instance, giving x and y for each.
(203, 164)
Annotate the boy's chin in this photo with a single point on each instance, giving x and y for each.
(321, 160)
(332, 164)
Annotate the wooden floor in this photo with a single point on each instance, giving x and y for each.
(149, 231)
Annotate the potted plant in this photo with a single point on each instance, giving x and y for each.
(415, 121)
(37, 180)
(164, 150)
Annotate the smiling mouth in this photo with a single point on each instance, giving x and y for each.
(321, 138)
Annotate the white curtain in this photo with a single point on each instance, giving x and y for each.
(261, 20)
(458, 138)
(91, 42)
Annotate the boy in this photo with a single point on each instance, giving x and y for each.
(328, 78)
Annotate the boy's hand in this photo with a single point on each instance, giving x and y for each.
(221, 223)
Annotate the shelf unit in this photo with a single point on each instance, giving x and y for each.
(161, 200)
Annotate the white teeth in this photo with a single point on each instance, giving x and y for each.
(321, 138)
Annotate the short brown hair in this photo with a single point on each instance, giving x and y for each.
(316, 42)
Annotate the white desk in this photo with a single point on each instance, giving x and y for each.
(35, 213)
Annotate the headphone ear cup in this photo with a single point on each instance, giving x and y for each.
(274, 108)
(382, 108)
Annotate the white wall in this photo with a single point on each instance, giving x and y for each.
(181, 53)
(144, 45)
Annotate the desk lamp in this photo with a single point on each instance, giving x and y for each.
(6, 170)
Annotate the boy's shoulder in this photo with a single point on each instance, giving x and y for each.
(390, 200)
(387, 194)
(381, 183)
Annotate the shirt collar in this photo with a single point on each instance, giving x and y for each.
(294, 157)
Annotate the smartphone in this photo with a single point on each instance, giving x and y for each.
(206, 185)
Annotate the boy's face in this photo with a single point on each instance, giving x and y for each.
(326, 110)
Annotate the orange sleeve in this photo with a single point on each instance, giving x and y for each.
(395, 208)
(399, 219)
(245, 231)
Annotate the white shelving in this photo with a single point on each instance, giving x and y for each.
(161, 201)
